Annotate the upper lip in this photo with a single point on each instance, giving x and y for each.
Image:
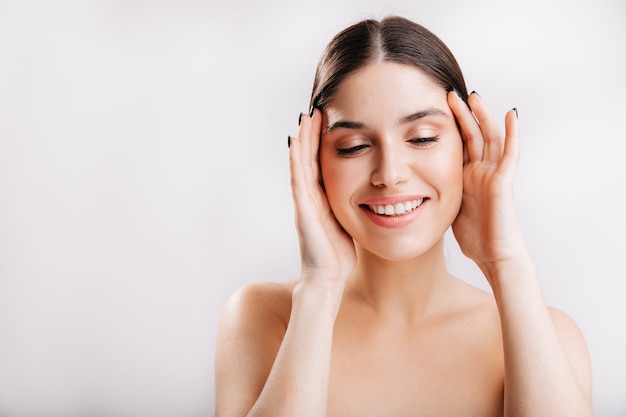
(384, 200)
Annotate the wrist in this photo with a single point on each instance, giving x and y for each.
(502, 272)
(318, 293)
(516, 288)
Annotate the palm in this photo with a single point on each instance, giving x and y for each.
(327, 251)
(486, 227)
(480, 227)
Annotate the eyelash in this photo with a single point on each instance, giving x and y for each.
(420, 142)
(423, 142)
(350, 151)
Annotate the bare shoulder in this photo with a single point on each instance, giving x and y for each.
(251, 329)
(256, 313)
(574, 345)
(565, 325)
(259, 302)
(571, 337)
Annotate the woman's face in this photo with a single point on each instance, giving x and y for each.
(391, 159)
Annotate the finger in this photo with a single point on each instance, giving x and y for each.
(304, 165)
(303, 152)
(510, 155)
(492, 137)
(311, 128)
(470, 131)
(309, 135)
(304, 207)
(295, 169)
(316, 135)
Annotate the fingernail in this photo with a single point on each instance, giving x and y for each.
(300, 119)
(474, 92)
(516, 115)
(289, 141)
(311, 111)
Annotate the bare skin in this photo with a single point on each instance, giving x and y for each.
(376, 325)
(399, 369)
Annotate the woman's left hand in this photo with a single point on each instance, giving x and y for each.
(487, 227)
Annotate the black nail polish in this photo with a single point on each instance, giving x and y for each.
(300, 119)
(289, 141)
(311, 111)
(516, 115)
(474, 92)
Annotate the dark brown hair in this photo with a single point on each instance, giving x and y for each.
(393, 39)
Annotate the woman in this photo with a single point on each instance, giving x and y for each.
(393, 153)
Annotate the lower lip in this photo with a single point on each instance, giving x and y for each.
(394, 221)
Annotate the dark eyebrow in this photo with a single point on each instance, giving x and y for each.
(345, 124)
(423, 113)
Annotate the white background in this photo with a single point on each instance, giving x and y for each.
(144, 177)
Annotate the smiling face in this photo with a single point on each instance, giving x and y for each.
(391, 158)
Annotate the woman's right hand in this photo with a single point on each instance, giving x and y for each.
(327, 251)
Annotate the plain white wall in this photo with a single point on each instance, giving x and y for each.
(144, 177)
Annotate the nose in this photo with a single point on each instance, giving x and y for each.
(391, 166)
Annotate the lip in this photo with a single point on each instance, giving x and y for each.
(393, 221)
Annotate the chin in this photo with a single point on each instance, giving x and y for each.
(403, 251)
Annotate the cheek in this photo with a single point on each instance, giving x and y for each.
(331, 177)
(335, 179)
(452, 169)
(341, 179)
(447, 168)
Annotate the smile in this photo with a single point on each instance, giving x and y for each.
(397, 209)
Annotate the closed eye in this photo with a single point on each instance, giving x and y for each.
(350, 151)
(424, 142)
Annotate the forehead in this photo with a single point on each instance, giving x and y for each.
(384, 91)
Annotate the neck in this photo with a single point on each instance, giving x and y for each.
(401, 291)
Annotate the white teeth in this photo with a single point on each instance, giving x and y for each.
(396, 209)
